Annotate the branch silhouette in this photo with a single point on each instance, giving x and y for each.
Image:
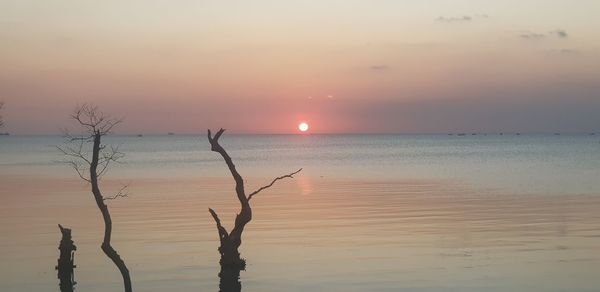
(231, 262)
(95, 124)
(291, 175)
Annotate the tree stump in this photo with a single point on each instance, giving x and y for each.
(66, 260)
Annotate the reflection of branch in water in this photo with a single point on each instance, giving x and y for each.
(229, 280)
(66, 260)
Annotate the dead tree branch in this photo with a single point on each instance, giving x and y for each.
(223, 235)
(120, 194)
(230, 242)
(291, 175)
(95, 124)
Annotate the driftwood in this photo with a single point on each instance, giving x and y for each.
(66, 259)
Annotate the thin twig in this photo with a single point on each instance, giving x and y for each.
(93, 122)
(291, 175)
(119, 194)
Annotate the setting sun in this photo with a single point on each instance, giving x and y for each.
(303, 127)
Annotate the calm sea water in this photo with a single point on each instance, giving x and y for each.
(367, 213)
(568, 164)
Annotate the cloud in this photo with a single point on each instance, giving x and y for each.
(532, 36)
(528, 35)
(379, 68)
(454, 19)
(568, 52)
(560, 33)
(458, 19)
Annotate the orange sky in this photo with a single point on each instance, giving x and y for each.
(342, 66)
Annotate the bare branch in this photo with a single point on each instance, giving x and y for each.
(239, 181)
(93, 122)
(291, 175)
(230, 242)
(217, 136)
(76, 153)
(112, 155)
(76, 158)
(96, 124)
(78, 169)
(223, 235)
(119, 194)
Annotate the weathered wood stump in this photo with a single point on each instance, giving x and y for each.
(66, 260)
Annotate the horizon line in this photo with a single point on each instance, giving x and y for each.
(465, 133)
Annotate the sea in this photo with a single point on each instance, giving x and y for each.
(367, 212)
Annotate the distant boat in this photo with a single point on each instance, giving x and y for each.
(4, 134)
(474, 134)
(501, 134)
(170, 133)
(140, 135)
(461, 134)
(518, 134)
(592, 134)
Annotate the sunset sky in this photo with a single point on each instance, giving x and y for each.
(342, 66)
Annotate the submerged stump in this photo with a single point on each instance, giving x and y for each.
(66, 259)
(229, 279)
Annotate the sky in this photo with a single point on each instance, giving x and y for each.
(342, 66)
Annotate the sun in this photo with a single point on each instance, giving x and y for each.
(303, 127)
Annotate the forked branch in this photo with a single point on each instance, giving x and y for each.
(239, 181)
(223, 234)
(94, 120)
(230, 242)
(95, 124)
